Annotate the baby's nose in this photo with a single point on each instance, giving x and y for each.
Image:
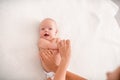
(46, 29)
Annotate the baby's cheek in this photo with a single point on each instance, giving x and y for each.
(41, 35)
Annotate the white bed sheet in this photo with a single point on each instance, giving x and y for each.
(89, 24)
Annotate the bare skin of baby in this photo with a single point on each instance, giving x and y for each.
(48, 37)
(49, 42)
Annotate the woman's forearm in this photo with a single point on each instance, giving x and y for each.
(72, 76)
(61, 71)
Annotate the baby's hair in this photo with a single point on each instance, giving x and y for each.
(50, 19)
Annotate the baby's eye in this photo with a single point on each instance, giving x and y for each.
(42, 28)
(50, 28)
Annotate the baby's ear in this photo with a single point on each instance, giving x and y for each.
(56, 31)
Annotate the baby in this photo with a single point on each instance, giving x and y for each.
(48, 38)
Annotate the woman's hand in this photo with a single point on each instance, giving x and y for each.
(64, 49)
(48, 60)
(65, 52)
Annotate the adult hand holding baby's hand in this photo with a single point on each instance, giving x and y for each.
(64, 49)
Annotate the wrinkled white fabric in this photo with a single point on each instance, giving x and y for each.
(89, 24)
(50, 75)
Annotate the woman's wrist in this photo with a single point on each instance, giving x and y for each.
(64, 62)
(55, 69)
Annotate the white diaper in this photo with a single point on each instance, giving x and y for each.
(50, 74)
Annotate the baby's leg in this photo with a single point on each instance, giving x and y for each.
(72, 76)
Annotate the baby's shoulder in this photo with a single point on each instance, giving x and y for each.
(42, 40)
(43, 43)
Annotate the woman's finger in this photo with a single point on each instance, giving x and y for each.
(62, 43)
(42, 57)
(48, 56)
(51, 56)
(58, 45)
(48, 53)
(42, 60)
(68, 43)
(45, 55)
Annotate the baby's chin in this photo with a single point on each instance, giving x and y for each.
(48, 38)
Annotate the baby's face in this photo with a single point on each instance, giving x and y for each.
(48, 29)
(115, 75)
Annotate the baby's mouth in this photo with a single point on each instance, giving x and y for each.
(46, 34)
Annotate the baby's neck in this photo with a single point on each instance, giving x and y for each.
(50, 40)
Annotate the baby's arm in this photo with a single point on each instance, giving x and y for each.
(47, 44)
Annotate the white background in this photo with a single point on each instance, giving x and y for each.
(89, 24)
